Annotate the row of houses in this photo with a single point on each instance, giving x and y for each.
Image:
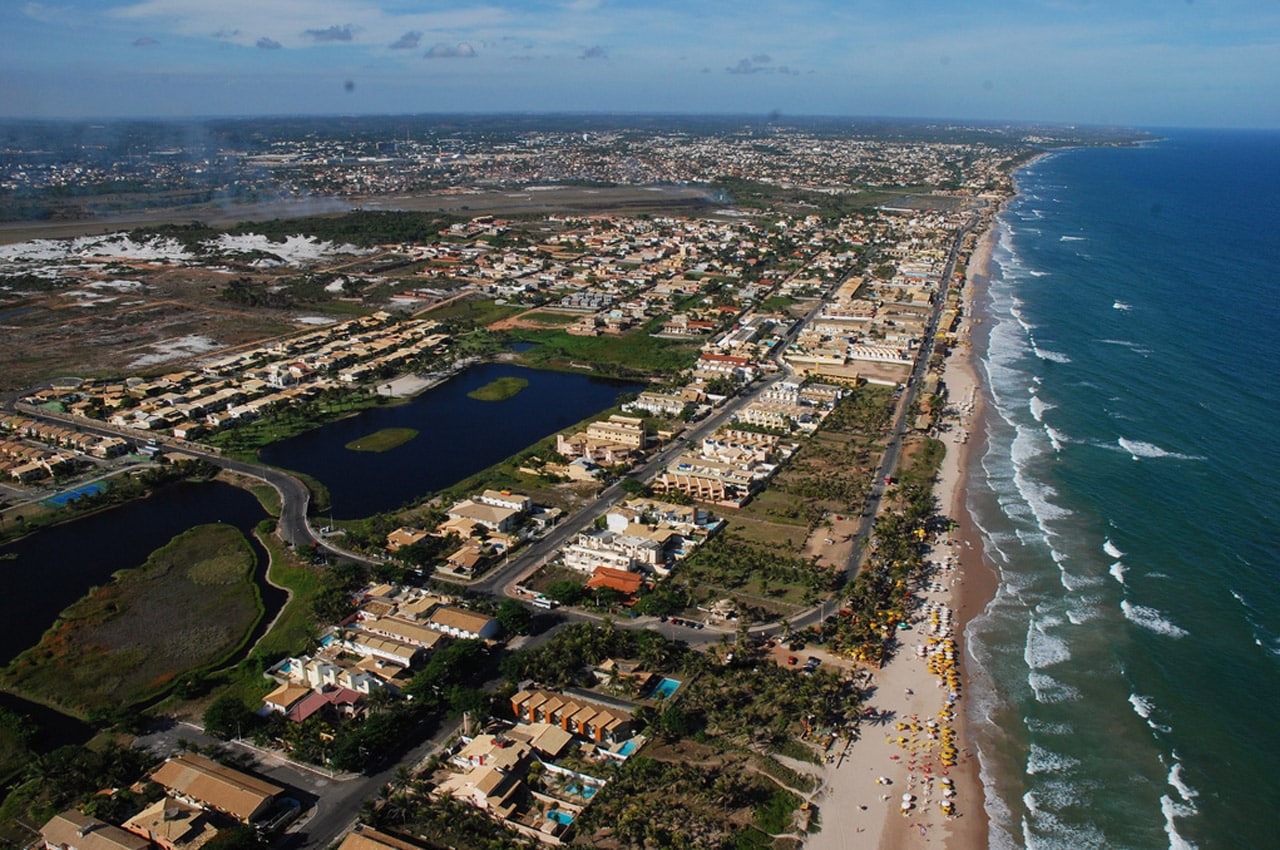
(202, 797)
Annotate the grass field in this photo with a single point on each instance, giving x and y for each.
(632, 353)
(190, 606)
(383, 441)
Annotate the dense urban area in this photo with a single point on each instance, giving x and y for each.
(683, 595)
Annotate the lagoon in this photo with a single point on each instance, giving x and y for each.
(56, 566)
(458, 436)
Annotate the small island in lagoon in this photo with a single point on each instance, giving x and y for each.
(383, 441)
(499, 390)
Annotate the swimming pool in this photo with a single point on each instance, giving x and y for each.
(664, 689)
(560, 817)
(627, 749)
(586, 792)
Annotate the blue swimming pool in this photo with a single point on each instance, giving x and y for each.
(586, 792)
(664, 689)
(560, 817)
(627, 749)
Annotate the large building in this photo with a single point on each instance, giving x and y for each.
(204, 782)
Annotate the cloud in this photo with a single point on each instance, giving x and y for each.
(269, 44)
(596, 52)
(450, 51)
(760, 64)
(145, 41)
(334, 33)
(226, 35)
(408, 41)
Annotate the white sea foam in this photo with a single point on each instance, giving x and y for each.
(1049, 690)
(1042, 649)
(1139, 449)
(1038, 407)
(1056, 437)
(1120, 305)
(1172, 811)
(1036, 273)
(1051, 356)
(1040, 760)
(1072, 239)
(1151, 619)
(1047, 727)
(1110, 548)
(1144, 707)
(1179, 784)
(1117, 570)
(1080, 616)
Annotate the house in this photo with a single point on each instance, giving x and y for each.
(405, 536)
(203, 782)
(492, 517)
(584, 718)
(623, 582)
(461, 623)
(172, 825)
(285, 697)
(73, 830)
(367, 838)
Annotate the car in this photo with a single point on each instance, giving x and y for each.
(791, 659)
(813, 661)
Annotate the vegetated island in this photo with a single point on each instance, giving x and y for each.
(499, 390)
(189, 607)
(383, 441)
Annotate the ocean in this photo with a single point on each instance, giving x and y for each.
(1127, 673)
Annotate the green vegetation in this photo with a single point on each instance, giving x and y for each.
(631, 354)
(764, 582)
(383, 441)
(191, 606)
(499, 390)
(242, 440)
(70, 776)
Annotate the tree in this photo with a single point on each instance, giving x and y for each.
(514, 617)
(227, 716)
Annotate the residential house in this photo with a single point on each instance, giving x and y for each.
(172, 825)
(201, 781)
(74, 830)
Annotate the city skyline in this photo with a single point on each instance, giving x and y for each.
(1150, 64)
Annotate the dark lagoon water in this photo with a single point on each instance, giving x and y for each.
(458, 436)
(56, 566)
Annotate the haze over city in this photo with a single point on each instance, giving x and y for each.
(1169, 63)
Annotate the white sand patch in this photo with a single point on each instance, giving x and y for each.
(336, 286)
(293, 250)
(314, 320)
(117, 285)
(109, 245)
(173, 349)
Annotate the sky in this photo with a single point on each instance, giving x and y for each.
(1151, 63)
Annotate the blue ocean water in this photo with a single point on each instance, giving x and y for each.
(1128, 670)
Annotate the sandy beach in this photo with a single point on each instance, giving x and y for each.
(891, 787)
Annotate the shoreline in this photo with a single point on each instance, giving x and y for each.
(916, 714)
